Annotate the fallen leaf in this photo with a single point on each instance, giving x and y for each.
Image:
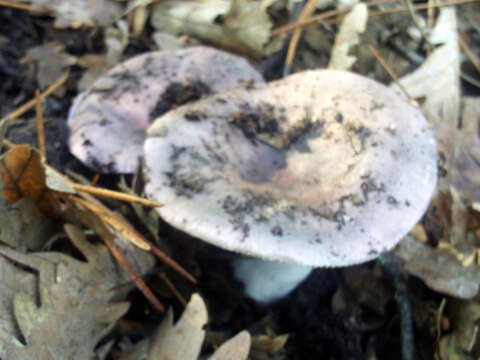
(77, 13)
(166, 41)
(437, 81)
(464, 174)
(74, 310)
(50, 62)
(23, 226)
(13, 280)
(465, 317)
(23, 175)
(116, 40)
(241, 26)
(183, 341)
(352, 26)
(264, 346)
(439, 268)
(236, 348)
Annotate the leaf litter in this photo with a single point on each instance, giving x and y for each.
(444, 253)
(70, 308)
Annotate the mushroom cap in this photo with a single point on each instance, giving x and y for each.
(323, 168)
(108, 121)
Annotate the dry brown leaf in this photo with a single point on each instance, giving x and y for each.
(13, 280)
(116, 40)
(465, 316)
(74, 311)
(133, 260)
(241, 26)
(23, 226)
(23, 175)
(264, 346)
(352, 26)
(183, 341)
(237, 348)
(437, 80)
(439, 268)
(464, 175)
(50, 63)
(118, 223)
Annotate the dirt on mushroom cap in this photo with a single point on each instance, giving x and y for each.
(108, 121)
(323, 168)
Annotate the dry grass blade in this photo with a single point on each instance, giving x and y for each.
(141, 285)
(40, 134)
(114, 221)
(292, 47)
(172, 288)
(328, 14)
(81, 209)
(115, 195)
(430, 19)
(470, 55)
(128, 231)
(50, 90)
(389, 71)
(421, 7)
(430, 22)
(170, 262)
(19, 6)
(24, 173)
(320, 17)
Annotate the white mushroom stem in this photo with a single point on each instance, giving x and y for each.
(268, 281)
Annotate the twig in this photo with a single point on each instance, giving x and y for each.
(430, 21)
(172, 288)
(399, 45)
(95, 179)
(328, 14)
(40, 134)
(25, 107)
(466, 49)
(8, 143)
(421, 7)
(389, 71)
(470, 79)
(292, 47)
(141, 285)
(320, 17)
(121, 226)
(168, 261)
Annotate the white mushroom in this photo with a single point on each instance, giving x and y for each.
(108, 121)
(322, 168)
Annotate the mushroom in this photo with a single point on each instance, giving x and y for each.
(320, 169)
(108, 121)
